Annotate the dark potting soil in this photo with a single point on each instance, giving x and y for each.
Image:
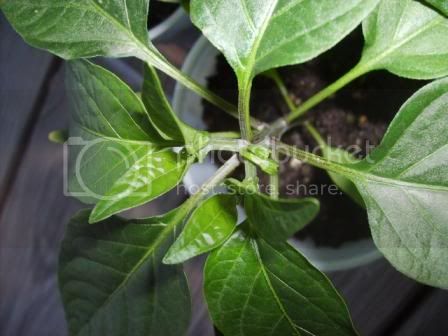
(159, 11)
(357, 115)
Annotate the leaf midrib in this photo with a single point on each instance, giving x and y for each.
(271, 288)
(162, 236)
(376, 61)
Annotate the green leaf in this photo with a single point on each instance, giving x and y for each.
(258, 35)
(406, 38)
(106, 107)
(278, 220)
(96, 163)
(210, 225)
(82, 28)
(254, 287)
(441, 5)
(404, 183)
(113, 282)
(161, 113)
(148, 178)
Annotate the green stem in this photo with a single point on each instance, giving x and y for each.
(244, 91)
(315, 134)
(225, 170)
(158, 61)
(317, 161)
(275, 76)
(225, 135)
(274, 179)
(356, 72)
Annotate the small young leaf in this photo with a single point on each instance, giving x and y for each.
(113, 282)
(254, 287)
(278, 220)
(406, 38)
(106, 107)
(258, 35)
(81, 28)
(441, 5)
(210, 225)
(160, 110)
(96, 163)
(148, 178)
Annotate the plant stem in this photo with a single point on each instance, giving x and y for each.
(244, 91)
(225, 135)
(356, 72)
(158, 61)
(274, 179)
(315, 134)
(206, 188)
(275, 76)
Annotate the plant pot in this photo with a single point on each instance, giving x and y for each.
(200, 64)
(173, 24)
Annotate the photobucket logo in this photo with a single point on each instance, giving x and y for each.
(91, 167)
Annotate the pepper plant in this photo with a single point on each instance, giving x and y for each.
(124, 276)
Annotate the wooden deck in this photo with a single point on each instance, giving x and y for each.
(34, 211)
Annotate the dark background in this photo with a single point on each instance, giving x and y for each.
(34, 211)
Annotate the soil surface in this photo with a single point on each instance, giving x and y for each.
(357, 115)
(159, 11)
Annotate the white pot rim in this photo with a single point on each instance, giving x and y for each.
(199, 64)
(176, 21)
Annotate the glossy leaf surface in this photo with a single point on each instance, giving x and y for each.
(110, 130)
(210, 225)
(406, 38)
(160, 111)
(113, 282)
(148, 178)
(404, 184)
(258, 35)
(441, 5)
(96, 163)
(81, 28)
(278, 220)
(254, 287)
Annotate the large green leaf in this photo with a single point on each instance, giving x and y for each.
(152, 175)
(257, 35)
(404, 184)
(82, 28)
(441, 5)
(254, 287)
(278, 220)
(210, 225)
(407, 38)
(106, 107)
(113, 282)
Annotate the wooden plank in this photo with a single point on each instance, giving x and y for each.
(32, 226)
(429, 317)
(22, 72)
(376, 295)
